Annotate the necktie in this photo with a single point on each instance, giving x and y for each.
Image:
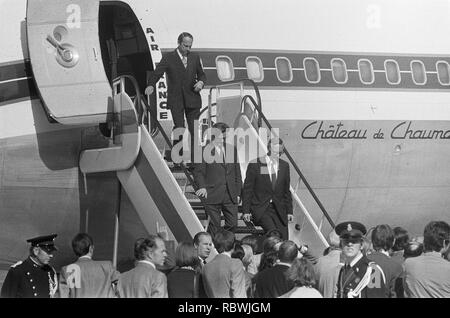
(273, 175)
(221, 153)
(184, 60)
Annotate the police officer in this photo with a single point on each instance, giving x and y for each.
(357, 275)
(34, 277)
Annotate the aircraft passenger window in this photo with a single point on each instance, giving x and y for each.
(225, 70)
(339, 71)
(255, 69)
(312, 70)
(392, 72)
(418, 72)
(284, 69)
(366, 71)
(443, 69)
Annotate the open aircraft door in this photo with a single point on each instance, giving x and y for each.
(66, 60)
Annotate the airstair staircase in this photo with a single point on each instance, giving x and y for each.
(163, 193)
(239, 104)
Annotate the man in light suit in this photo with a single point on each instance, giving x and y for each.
(185, 80)
(87, 278)
(266, 196)
(220, 181)
(145, 281)
(224, 276)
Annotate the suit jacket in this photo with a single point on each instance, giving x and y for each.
(258, 191)
(219, 178)
(391, 269)
(327, 272)
(88, 279)
(183, 283)
(180, 80)
(272, 282)
(143, 281)
(224, 277)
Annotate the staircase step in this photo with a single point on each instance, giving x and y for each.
(201, 215)
(249, 230)
(192, 198)
(198, 204)
(242, 228)
(179, 175)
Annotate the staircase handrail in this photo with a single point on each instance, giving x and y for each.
(231, 83)
(169, 143)
(291, 160)
(140, 110)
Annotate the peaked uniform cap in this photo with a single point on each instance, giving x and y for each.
(46, 242)
(350, 228)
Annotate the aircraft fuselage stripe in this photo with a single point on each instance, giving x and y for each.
(16, 82)
(299, 80)
(17, 89)
(14, 70)
(161, 198)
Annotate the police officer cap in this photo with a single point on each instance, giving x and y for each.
(45, 242)
(350, 229)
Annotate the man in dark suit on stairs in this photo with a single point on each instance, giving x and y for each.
(185, 80)
(266, 195)
(219, 181)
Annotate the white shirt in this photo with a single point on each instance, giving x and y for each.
(149, 263)
(181, 56)
(272, 166)
(285, 264)
(219, 149)
(356, 259)
(227, 254)
(384, 252)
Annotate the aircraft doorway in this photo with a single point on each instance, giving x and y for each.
(123, 43)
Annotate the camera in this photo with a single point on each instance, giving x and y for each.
(303, 248)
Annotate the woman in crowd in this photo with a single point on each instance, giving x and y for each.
(184, 280)
(301, 273)
(270, 250)
(401, 241)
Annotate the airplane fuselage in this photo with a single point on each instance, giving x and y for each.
(359, 91)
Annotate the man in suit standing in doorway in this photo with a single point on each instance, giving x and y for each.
(185, 80)
(266, 196)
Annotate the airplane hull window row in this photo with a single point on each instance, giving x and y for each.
(305, 70)
(290, 70)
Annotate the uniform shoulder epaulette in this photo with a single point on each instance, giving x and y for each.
(16, 264)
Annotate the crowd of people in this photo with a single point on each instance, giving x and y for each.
(379, 263)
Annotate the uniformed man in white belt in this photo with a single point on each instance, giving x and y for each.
(33, 277)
